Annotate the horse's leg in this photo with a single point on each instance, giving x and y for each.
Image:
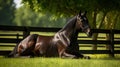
(74, 50)
(14, 52)
(25, 49)
(63, 54)
(80, 55)
(17, 51)
(40, 49)
(67, 55)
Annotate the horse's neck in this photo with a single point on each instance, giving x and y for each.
(74, 37)
(67, 32)
(69, 28)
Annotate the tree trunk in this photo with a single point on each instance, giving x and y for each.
(94, 46)
(108, 47)
(96, 34)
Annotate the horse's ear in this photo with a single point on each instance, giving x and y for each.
(79, 13)
(84, 13)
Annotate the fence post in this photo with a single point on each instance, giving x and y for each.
(26, 32)
(111, 43)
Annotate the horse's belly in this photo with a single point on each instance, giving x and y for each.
(46, 50)
(52, 52)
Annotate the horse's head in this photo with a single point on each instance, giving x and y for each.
(82, 23)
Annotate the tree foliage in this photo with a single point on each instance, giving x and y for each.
(101, 13)
(7, 8)
(72, 7)
(24, 16)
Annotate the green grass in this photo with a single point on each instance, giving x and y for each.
(57, 62)
(98, 60)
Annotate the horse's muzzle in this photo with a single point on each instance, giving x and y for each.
(88, 32)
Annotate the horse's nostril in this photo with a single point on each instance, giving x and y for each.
(89, 33)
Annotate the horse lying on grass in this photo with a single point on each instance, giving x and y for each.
(62, 44)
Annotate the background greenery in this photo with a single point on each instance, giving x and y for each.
(103, 14)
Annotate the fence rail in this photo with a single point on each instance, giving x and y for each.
(26, 31)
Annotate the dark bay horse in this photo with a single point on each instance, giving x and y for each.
(62, 44)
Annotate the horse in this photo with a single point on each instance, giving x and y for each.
(59, 45)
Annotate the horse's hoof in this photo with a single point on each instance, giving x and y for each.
(75, 57)
(86, 57)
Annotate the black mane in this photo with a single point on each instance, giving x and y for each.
(70, 24)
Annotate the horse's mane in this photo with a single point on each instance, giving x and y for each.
(71, 23)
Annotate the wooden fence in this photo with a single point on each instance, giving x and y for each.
(27, 30)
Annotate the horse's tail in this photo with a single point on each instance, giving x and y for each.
(12, 54)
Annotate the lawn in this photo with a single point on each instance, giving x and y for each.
(58, 62)
(96, 61)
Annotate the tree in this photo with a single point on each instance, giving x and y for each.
(72, 7)
(7, 8)
(24, 16)
(58, 7)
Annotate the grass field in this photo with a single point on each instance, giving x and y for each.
(57, 62)
(98, 60)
